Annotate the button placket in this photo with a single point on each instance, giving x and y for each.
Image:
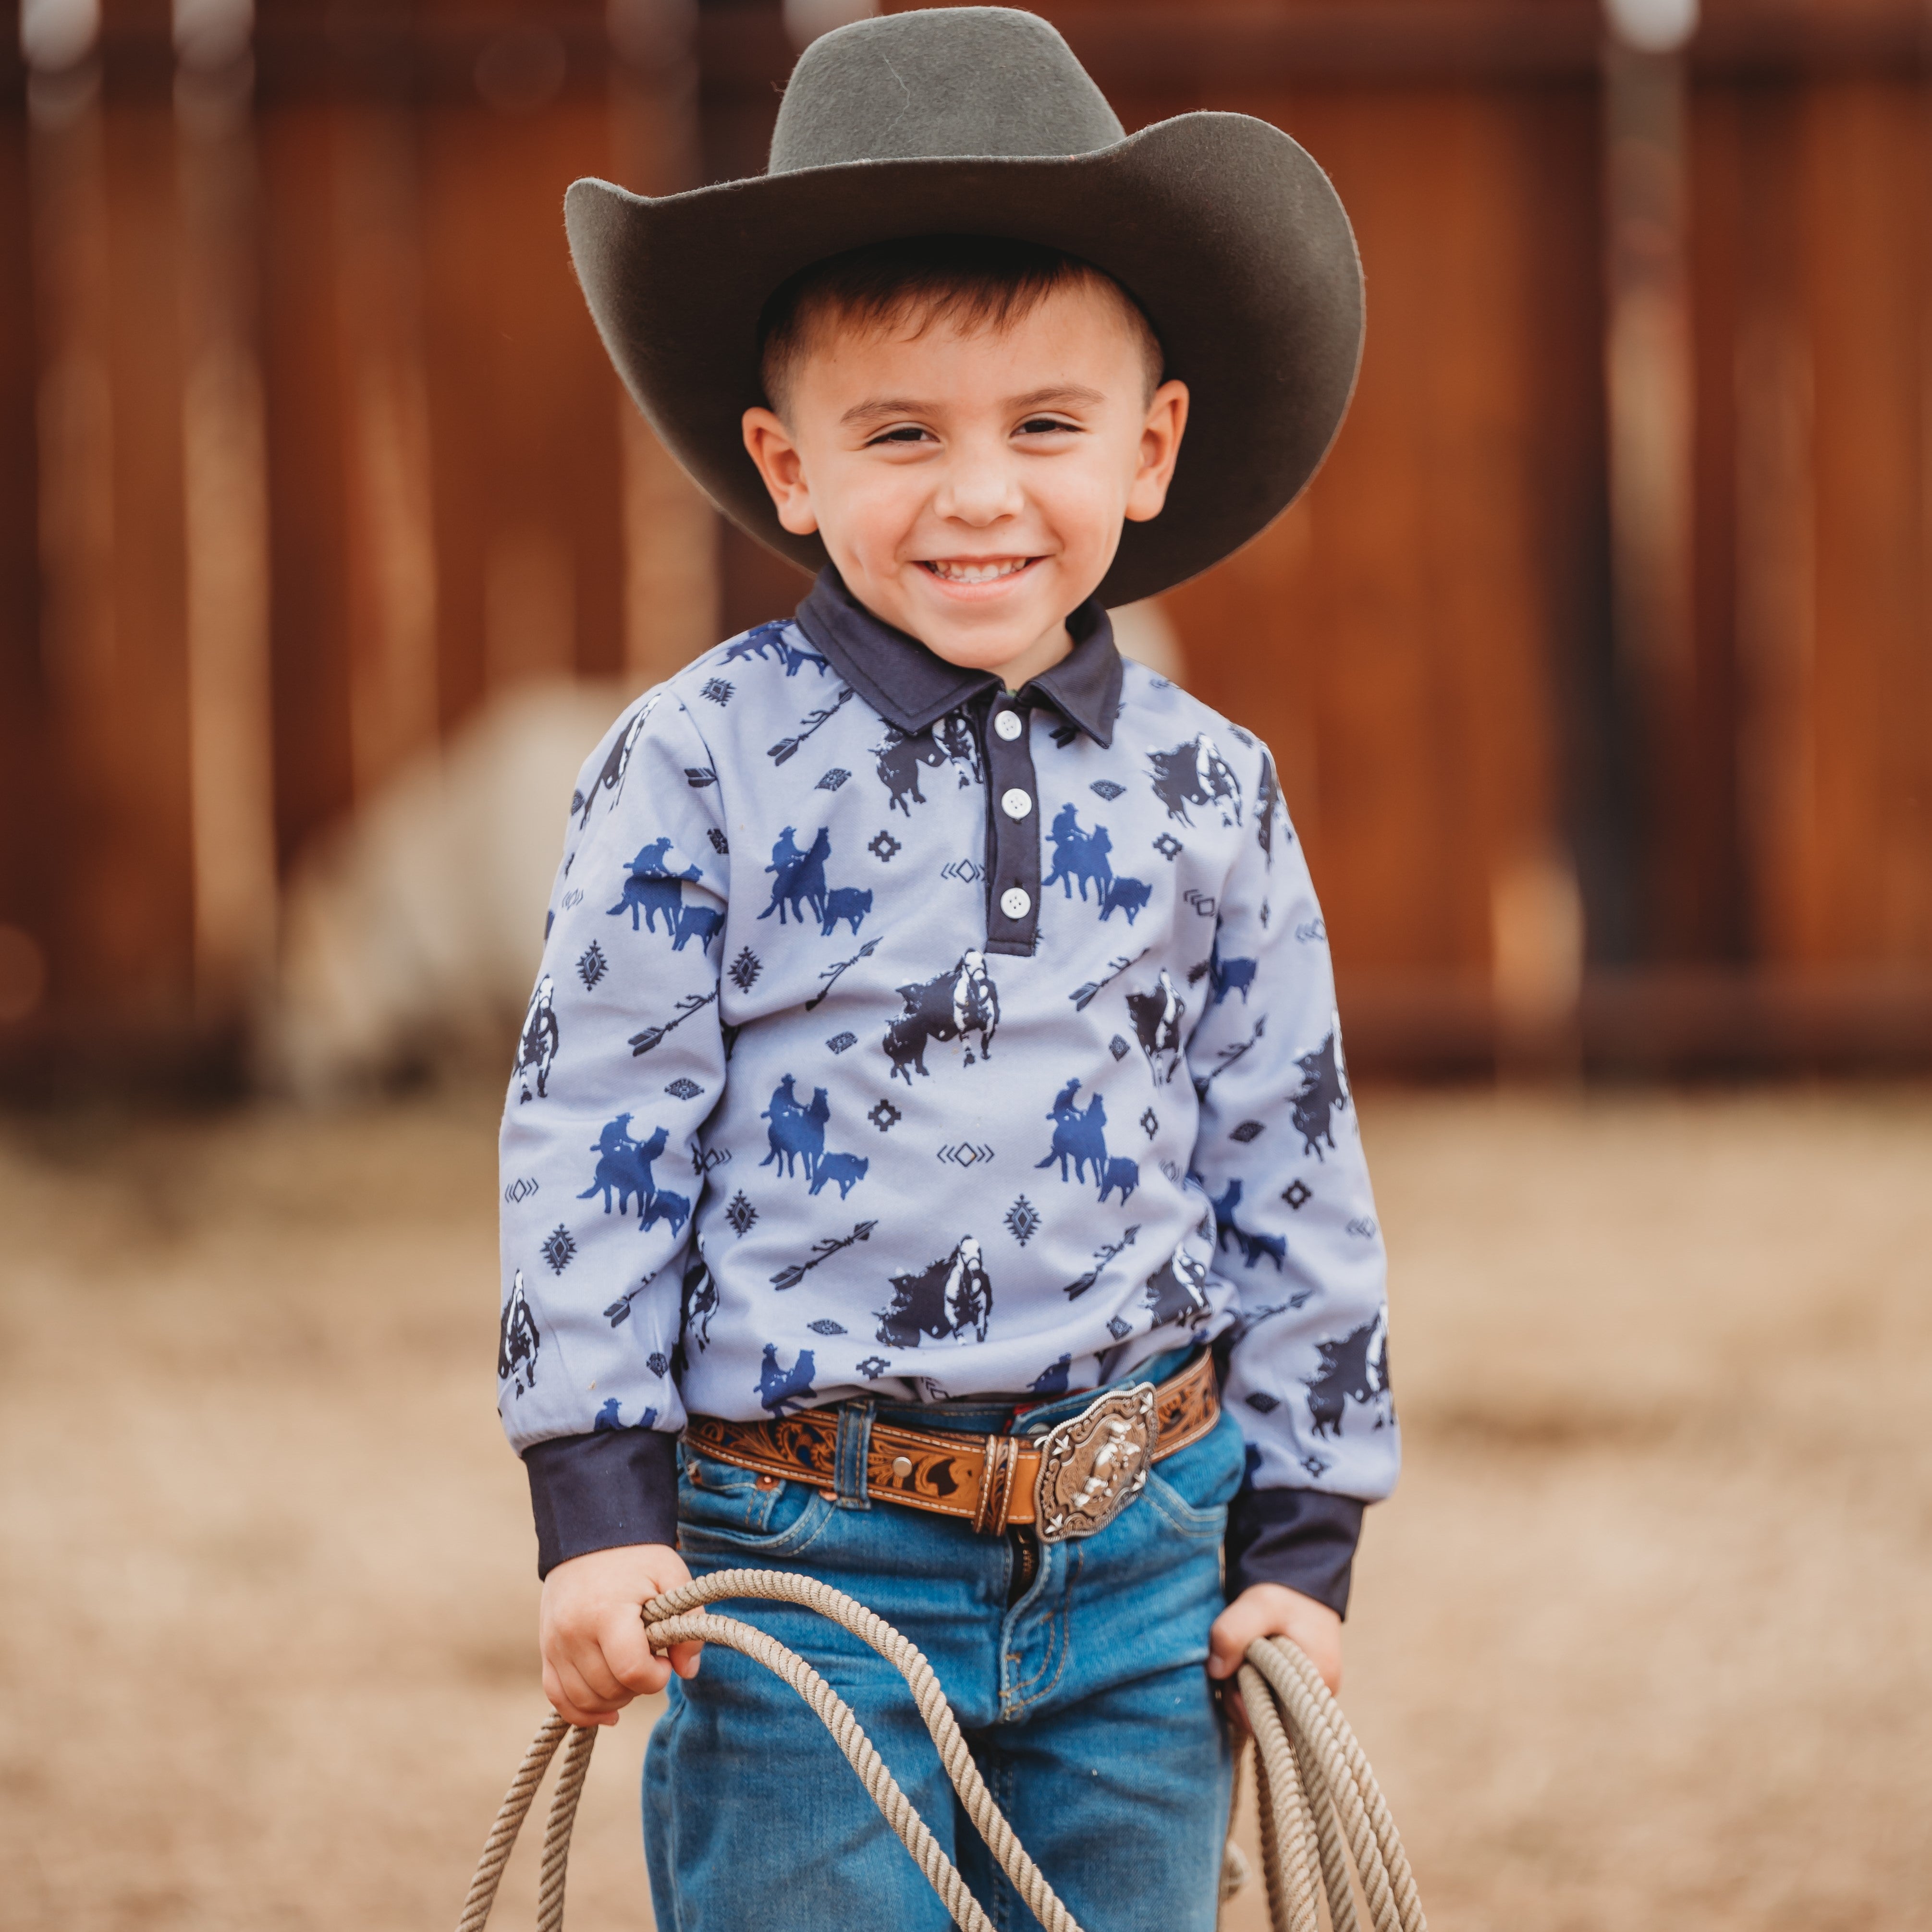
(1013, 830)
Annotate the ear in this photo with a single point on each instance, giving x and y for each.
(769, 444)
(1160, 435)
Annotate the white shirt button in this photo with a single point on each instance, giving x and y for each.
(1007, 725)
(1016, 803)
(1015, 903)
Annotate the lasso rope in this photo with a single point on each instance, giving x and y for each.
(1321, 1807)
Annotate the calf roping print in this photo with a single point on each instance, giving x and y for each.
(800, 880)
(949, 1005)
(1157, 1015)
(771, 637)
(1253, 1247)
(795, 1132)
(1322, 1094)
(846, 903)
(1196, 774)
(1177, 1291)
(952, 1295)
(950, 741)
(1226, 976)
(652, 891)
(1079, 1135)
(1352, 1368)
(518, 1341)
(1083, 858)
(778, 1389)
(617, 764)
(536, 1049)
(1080, 1146)
(623, 1167)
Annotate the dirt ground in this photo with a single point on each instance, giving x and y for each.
(1645, 1640)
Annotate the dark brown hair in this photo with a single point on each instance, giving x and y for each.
(974, 282)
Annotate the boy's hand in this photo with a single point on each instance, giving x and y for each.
(596, 1658)
(1272, 1610)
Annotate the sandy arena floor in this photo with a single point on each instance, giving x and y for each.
(1646, 1640)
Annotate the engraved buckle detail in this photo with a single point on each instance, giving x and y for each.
(1093, 1466)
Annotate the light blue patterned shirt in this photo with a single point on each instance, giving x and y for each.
(896, 1037)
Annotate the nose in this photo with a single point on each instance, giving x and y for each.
(979, 489)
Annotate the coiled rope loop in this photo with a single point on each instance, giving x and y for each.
(1321, 1809)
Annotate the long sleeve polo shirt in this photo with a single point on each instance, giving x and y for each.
(900, 1036)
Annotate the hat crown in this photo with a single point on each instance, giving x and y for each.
(942, 83)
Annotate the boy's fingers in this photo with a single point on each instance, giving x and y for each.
(684, 1659)
(568, 1707)
(1237, 1711)
(1227, 1642)
(584, 1695)
(593, 1666)
(626, 1653)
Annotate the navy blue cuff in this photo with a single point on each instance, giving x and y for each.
(602, 1491)
(1304, 1538)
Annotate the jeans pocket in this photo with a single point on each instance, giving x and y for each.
(724, 1510)
(1193, 1487)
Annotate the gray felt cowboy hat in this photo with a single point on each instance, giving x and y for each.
(979, 121)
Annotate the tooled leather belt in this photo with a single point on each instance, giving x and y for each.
(1070, 1481)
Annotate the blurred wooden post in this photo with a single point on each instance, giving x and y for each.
(1648, 380)
(226, 497)
(74, 420)
(1775, 551)
(671, 537)
(391, 542)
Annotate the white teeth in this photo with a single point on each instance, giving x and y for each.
(975, 573)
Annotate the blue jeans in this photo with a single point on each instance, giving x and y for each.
(1086, 1703)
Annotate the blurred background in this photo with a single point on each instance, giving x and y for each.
(1598, 666)
(1596, 662)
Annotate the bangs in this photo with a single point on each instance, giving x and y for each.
(970, 283)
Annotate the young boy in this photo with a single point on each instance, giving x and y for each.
(930, 1164)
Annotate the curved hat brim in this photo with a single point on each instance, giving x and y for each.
(1224, 228)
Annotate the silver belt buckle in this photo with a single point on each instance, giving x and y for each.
(1093, 1464)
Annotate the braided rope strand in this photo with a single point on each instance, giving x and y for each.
(1321, 1806)
(497, 1847)
(928, 1697)
(1288, 1827)
(557, 1827)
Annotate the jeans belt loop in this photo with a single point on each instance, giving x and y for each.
(853, 1454)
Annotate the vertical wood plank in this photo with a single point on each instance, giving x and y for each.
(308, 462)
(1402, 613)
(1773, 510)
(148, 882)
(28, 819)
(527, 467)
(378, 246)
(225, 491)
(1864, 213)
(671, 530)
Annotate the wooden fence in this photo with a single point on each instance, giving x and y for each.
(1598, 662)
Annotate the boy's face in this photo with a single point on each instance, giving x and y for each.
(971, 488)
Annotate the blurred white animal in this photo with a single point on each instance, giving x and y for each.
(411, 934)
(1144, 632)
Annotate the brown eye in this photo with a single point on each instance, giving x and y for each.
(1043, 426)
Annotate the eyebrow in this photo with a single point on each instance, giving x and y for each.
(877, 408)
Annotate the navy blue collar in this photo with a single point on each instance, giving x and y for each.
(911, 687)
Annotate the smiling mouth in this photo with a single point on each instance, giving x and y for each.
(963, 570)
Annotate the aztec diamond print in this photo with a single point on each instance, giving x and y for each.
(1022, 1220)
